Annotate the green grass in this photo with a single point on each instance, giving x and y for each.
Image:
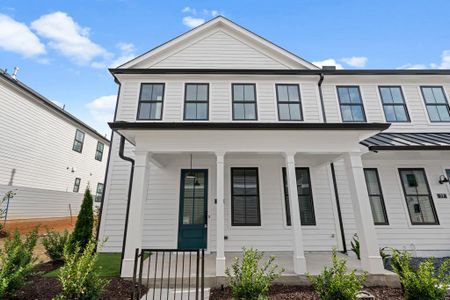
(108, 265)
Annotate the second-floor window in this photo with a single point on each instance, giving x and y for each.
(196, 100)
(151, 101)
(288, 98)
(393, 104)
(99, 151)
(78, 141)
(76, 185)
(244, 101)
(352, 109)
(436, 103)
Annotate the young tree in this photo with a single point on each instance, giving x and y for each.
(82, 233)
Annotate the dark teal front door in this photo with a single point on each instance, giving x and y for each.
(192, 230)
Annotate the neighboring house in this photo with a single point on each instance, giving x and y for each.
(236, 142)
(47, 156)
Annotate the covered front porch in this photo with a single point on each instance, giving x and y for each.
(156, 213)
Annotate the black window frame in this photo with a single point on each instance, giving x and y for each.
(383, 205)
(233, 223)
(289, 102)
(99, 152)
(75, 141)
(76, 185)
(196, 101)
(351, 104)
(430, 196)
(408, 119)
(286, 197)
(151, 101)
(255, 102)
(98, 196)
(435, 104)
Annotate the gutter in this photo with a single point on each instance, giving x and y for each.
(130, 184)
(322, 104)
(338, 206)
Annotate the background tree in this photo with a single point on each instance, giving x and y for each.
(82, 233)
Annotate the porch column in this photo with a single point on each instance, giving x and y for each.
(220, 248)
(136, 211)
(299, 254)
(370, 256)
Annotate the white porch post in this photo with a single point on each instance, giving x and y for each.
(136, 213)
(299, 254)
(370, 256)
(220, 248)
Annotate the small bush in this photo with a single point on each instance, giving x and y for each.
(16, 262)
(356, 246)
(335, 283)
(79, 276)
(82, 233)
(249, 279)
(54, 244)
(425, 282)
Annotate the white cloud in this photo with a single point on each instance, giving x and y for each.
(193, 22)
(68, 37)
(17, 37)
(328, 62)
(190, 10)
(443, 64)
(126, 47)
(355, 61)
(102, 111)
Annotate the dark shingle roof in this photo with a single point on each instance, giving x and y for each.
(409, 141)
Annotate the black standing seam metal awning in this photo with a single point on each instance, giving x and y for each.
(408, 141)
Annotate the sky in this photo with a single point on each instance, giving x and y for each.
(64, 48)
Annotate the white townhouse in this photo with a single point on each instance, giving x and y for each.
(223, 140)
(47, 156)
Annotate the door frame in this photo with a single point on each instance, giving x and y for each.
(181, 203)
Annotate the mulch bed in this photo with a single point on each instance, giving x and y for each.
(290, 292)
(46, 288)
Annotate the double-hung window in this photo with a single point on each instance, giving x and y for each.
(76, 185)
(196, 99)
(436, 103)
(305, 199)
(394, 105)
(245, 210)
(78, 141)
(352, 109)
(99, 151)
(244, 101)
(418, 197)
(99, 192)
(289, 106)
(376, 196)
(151, 101)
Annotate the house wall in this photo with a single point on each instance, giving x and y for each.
(423, 240)
(37, 158)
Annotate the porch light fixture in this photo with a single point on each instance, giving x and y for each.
(191, 175)
(443, 179)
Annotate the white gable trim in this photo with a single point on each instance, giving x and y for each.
(220, 23)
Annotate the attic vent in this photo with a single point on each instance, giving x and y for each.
(328, 67)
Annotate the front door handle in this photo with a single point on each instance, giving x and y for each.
(205, 226)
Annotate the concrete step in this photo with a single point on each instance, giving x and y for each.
(174, 294)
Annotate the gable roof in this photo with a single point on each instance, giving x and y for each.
(53, 107)
(275, 52)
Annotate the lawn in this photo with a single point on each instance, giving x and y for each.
(108, 265)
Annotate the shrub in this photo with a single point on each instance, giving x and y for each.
(425, 282)
(356, 246)
(335, 283)
(82, 233)
(16, 262)
(79, 276)
(54, 244)
(251, 280)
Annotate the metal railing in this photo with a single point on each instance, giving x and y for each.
(169, 274)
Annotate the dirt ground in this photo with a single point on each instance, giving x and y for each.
(24, 226)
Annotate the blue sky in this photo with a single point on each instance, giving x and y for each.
(63, 48)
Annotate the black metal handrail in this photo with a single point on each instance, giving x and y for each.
(165, 268)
